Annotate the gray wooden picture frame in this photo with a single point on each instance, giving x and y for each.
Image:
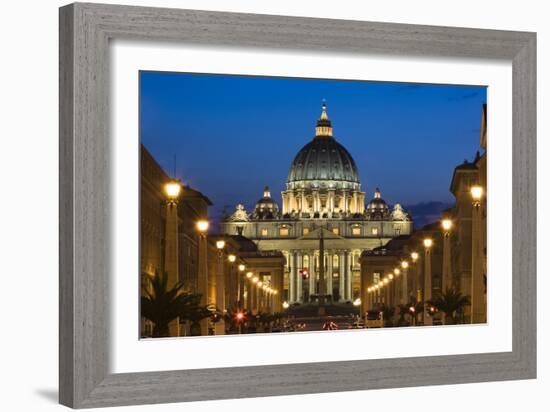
(85, 32)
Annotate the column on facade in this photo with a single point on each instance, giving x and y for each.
(293, 276)
(349, 276)
(317, 201)
(341, 277)
(299, 259)
(304, 207)
(344, 201)
(355, 203)
(312, 275)
(329, 272)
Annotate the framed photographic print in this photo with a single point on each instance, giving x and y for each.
(303, 194)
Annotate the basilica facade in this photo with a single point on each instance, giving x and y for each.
(323, 216)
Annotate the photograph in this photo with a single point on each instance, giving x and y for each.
(274, 204)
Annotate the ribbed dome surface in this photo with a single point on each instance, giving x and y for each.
(323, 159)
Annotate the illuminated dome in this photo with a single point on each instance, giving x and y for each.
(323, 159)
(377, 209)
(266, 207)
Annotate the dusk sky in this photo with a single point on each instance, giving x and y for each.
(232, 135)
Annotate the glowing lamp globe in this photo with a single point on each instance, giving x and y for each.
(172, 190)
(202, 226)
(446, 224)
(476, 192)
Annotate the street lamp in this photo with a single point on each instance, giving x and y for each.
(202, 226)
(414, 256)
(285, 305)
(446, 225)
(171, 251)
(231, 258)
(172, 190)
(405, 284)
(428, 243)
(249, 275)
(397, 271)
(478, 305)
(477, 193)
(241, 267)
(220, 286)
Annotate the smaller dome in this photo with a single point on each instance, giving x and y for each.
(377, 208)
(266, 207)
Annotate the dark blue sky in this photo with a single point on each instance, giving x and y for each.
(233, 135)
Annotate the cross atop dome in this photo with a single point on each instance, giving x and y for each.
(324, 127)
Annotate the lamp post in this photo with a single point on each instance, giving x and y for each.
(478, 307)
(405, 282)
(396, 287)
(219, 328)
(202, 228)
(232, 289)
(172, 191)
(428, 243)
(391, 289)
(446, 225)
(240, 292)
(254, 295)
(415, 280)
(248, 291)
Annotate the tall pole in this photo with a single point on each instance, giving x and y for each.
(478, 307)
(202, 227)
(405, 282)
(219, 328)
(171, 261)
(428, 320)
(447, 274)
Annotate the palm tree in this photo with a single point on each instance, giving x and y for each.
(162, 305)
(450, 302)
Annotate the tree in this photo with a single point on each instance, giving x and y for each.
(162, 305)
(450, 302)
